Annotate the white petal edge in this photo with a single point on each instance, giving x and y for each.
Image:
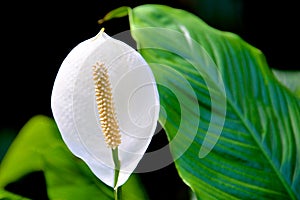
(136, 102)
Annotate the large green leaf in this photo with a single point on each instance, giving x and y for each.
(39, 147)
(246, 144)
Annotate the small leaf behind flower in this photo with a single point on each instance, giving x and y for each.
(39, 146)
(119, 12)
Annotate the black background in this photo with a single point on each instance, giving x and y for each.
(37, 35)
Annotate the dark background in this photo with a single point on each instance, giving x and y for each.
(37, 35)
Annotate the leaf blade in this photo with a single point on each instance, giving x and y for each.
(254, 124)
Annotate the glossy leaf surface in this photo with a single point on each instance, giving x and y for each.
(253, 149)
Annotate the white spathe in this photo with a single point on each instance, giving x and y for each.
(136, 103)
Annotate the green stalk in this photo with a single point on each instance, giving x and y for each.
(116, 173)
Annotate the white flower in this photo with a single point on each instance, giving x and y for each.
(135, 105)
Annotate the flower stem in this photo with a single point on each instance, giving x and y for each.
(116, 173)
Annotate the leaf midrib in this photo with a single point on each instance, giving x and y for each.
(247, 125)
(252, 132)
(257, 141)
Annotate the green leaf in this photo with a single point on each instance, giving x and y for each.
(234, 131)
(117, 13)
(39, 146)
(291, 79)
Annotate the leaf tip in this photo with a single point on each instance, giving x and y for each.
(116, 13)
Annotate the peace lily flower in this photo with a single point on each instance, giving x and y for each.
(105, 103)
